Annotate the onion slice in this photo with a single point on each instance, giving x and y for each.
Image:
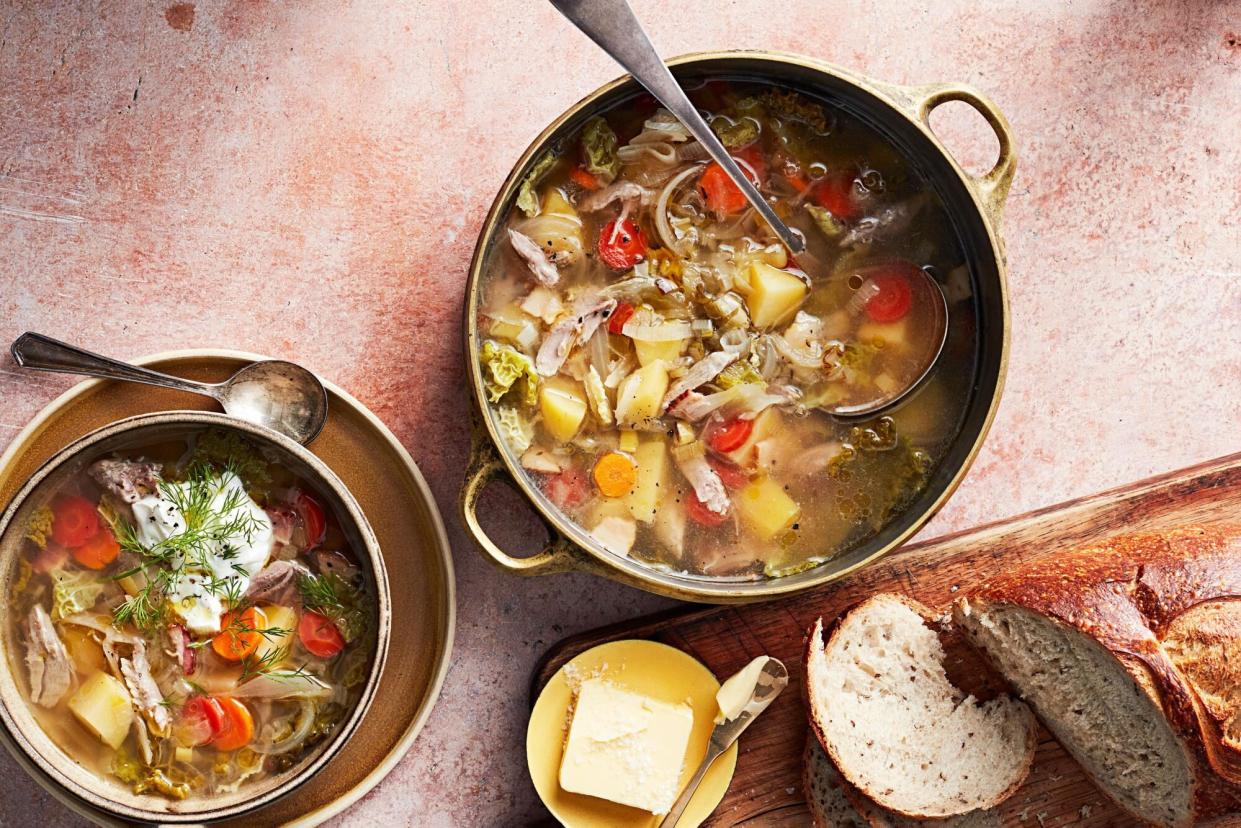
(305, 723)
(661, 205)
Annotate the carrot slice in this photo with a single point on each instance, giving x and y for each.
(238, 726)
(75, 520)
(731, 435)
(97, 552)
(584, 179)
(615, 474)
(320, 635)
(241, 634)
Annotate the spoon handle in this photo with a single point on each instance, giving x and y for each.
(674, 814)
(32, 350)
(611, 24)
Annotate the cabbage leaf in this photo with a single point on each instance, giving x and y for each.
(831, 226)
(503, 367)
(39, 527)
(599, 150)
(527, 194)
(73, 591)
(735, 134)
(518, 432)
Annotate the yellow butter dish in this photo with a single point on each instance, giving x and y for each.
(642, 710)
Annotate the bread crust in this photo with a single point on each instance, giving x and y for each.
(1127, 593)
(817, 727)
(817, 819)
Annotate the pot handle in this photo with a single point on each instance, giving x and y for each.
(557, 556)
(993, 186)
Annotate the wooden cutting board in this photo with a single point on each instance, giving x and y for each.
(767, 787)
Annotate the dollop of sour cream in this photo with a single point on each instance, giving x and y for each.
(228, 562)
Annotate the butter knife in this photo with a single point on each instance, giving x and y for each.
(772, 679)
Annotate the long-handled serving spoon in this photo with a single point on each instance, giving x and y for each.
(278, 395)
(614, 28)
(772, 679)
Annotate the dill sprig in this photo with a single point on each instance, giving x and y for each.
(331, 596)
(267, 665)
(202, 528)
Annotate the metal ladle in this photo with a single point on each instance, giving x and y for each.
(279, 395)
(614, 28)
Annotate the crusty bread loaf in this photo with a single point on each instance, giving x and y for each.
(1130, 651)
(895, 726)
(834, 803)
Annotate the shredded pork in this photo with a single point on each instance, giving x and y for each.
(46, 660)
(560, 340)
(129, 480)
(708, 486)
(534, 257)
(277, 583)
(145, 693)
(702, 372)
(626, 192)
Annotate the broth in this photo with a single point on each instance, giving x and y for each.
(657, 361)
(192, 617)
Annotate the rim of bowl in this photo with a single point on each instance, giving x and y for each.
(28, 736)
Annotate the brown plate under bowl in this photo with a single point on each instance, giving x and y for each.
(369, 460)
(145, 429)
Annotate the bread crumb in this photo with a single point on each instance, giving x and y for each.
(1041, 816)
(1024, 814)
(1084, 812)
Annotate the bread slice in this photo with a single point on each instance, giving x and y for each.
(825, 791)
(834, 803)
(1129, 648)
(896, 727)
(1095, 708)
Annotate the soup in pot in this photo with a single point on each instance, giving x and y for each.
(659, 363)
(192, 617)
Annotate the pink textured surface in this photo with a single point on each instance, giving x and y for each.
(307, 180)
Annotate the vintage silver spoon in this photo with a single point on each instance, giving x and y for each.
(614, 28)
(276, 394)
(772, 679)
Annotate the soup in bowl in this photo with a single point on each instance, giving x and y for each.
(656, 364)
(195, 617)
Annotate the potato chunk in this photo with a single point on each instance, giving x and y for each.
(766, 425)
(765, 508)
(102, 706)
(274, 648)
(616, 534)
(774, 295)
(84, 651)
(668, 350)
(652, 459)
(563, 404)
(640, 395)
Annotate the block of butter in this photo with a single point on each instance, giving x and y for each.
(625, 747)
(735, 692)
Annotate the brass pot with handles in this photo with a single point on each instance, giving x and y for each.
(974, 203)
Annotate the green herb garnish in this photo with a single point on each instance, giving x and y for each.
(331, 596)
(204, 529)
